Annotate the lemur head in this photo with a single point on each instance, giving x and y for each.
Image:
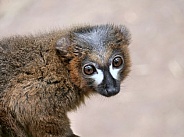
(98, 57)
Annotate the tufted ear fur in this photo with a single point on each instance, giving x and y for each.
(122, 35)
(63, 45)
(69, 49)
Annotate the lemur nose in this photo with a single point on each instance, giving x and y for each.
(111, 86)
(112, 90)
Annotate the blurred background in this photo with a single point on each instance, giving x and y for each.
(151, 102)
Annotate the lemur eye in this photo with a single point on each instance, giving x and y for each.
(89, 69)
(117, 62)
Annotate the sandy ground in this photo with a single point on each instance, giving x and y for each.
(151, 102)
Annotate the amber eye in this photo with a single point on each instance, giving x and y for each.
(89, 69)
(117, 62)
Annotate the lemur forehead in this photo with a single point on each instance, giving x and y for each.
(96, 37)
(101, 59)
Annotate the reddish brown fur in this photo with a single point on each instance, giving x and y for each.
(39, 85)
(31, 102)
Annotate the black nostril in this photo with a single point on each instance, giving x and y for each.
(112, 91)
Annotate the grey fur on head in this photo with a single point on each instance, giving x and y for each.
(94, 38)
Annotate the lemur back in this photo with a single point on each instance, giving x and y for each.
(45, 76)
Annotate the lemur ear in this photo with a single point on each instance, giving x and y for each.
(63, 45)
(123, 35)
(68, 49)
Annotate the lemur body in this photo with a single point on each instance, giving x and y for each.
(45, 76)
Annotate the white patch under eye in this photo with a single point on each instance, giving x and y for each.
(98, 77)
(114, 72)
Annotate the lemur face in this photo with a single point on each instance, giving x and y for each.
(105, 77)
(99, 57)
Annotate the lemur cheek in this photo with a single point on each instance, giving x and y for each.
(98, 77)
(75, 76)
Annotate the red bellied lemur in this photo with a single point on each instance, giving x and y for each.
(43, 77)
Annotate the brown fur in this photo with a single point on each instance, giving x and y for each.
(39, 85)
